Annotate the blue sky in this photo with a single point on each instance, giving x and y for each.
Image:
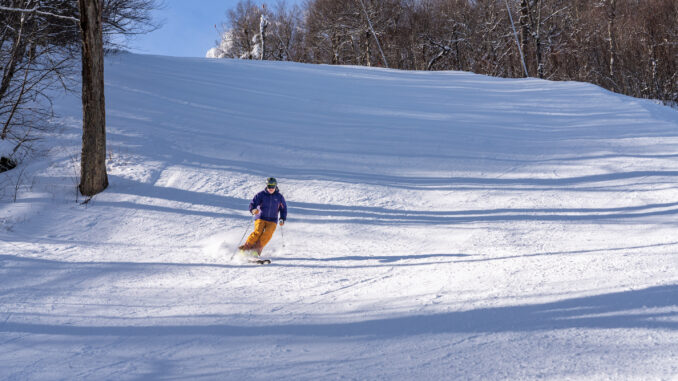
(188, 28)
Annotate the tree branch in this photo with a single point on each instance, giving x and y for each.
(36, 11)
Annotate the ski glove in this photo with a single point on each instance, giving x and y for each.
(255, 211)
(282, 222)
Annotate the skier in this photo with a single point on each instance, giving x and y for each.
(265, 206)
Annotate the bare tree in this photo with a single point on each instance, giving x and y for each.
(446, 36)
(376, 38)
(520, 48)
(611, 6)
(241, 30)
(286, 34)
(39, 41)
(333, 34)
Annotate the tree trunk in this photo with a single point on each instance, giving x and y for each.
(457, 37)
(335, 49)
(93, 178)
(537, 41)
(367, 49)
(263, 23)
(524, 22)
(515, 34)
(248, 44)
(611, 16)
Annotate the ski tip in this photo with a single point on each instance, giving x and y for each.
(260, 261)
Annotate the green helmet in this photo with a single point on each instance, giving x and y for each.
(271, 182)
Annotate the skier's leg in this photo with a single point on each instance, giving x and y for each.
(254, 237)
(266, 235)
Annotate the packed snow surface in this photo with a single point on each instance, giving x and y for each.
(442, 225)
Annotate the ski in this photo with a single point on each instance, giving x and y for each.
(251, 256)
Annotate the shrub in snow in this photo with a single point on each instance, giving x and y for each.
(6, 164)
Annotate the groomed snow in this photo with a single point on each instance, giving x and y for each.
(441, 226)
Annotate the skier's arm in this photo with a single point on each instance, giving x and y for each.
(254, 204)
(283, 209)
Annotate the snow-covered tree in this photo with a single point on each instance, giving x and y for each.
(239, 36)
(263, 24)
(253, 32)
(225, 49)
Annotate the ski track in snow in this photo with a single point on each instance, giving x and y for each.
(441, 226)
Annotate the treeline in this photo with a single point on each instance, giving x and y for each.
(627, 46)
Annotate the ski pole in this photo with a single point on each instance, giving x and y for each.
(282, 235)
(247, 227)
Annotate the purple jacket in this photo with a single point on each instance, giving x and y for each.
(269, 205)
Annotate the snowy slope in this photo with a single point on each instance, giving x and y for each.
(441, 226)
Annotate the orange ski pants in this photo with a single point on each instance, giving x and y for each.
(263, 232)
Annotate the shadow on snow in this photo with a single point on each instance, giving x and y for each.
(650, 308)
(226, 206)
